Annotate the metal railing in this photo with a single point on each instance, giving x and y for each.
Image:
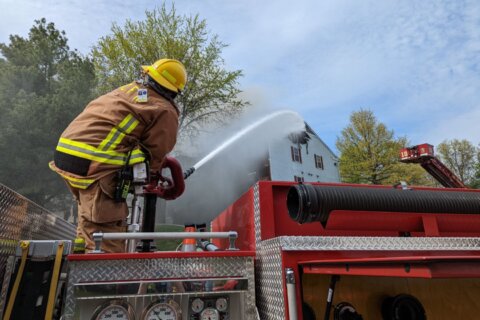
(22, 219)
(98, 237)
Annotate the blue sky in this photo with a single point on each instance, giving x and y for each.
(415, 63)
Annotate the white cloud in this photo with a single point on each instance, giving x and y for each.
(461, 126)
(414, 63)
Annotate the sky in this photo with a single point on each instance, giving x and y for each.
(415, 64)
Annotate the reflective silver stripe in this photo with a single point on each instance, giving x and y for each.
(137, 156)
(115, 136)
(118, 131)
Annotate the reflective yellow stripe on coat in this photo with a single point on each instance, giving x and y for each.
(117, 134)
(85, 151)
(104, 153)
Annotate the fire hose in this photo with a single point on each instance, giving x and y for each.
(168, 188)
(147, 187)
(308, 203)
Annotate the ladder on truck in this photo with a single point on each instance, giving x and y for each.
(423, 154)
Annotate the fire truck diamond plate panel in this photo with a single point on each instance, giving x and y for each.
(161, 268)
(378, 243)
(269, 277)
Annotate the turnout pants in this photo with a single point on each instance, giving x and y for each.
(97, 211)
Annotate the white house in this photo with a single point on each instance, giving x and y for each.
(221, 181)
(303, 158)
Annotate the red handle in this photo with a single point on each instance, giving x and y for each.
(168, 188)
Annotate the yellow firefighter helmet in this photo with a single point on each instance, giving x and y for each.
(168, 73)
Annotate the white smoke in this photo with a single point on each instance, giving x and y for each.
(229, 169)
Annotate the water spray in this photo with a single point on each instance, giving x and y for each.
(297, 124)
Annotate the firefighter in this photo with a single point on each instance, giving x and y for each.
(134, 123)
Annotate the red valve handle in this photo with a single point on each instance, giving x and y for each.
(165, 187)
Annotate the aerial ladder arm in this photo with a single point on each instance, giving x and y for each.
(423, 154)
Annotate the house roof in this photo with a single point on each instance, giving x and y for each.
(305, 136)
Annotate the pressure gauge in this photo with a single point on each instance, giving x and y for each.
(158, 310)
(197, 305)
(221, 304)
(114, 309)
(210, 314)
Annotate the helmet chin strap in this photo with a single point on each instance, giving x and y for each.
(167, 94)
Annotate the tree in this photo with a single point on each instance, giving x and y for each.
(212, 92)
(43, 86)
(369, 153)
(459, 156)
(475, 184)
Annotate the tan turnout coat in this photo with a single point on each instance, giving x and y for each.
(117, 123)
(99, 140)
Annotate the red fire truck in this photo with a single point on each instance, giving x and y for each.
(283, 250)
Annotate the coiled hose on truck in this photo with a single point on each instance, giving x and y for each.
(309, 203)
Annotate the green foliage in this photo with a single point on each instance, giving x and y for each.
(43, 86)
(475, 183)
(211, 94)
(168, 245)
(413, 174)
(460, 156)
(370, 153)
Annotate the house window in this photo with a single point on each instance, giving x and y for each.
(318, 162)
(298, 179)
(296, 154)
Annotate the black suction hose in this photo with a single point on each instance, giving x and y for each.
(308, 203)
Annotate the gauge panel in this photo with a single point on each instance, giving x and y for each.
(197, 305)
(210, 314)
(114, 309)
(221, 304)
(162, 310)
(209, 308)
